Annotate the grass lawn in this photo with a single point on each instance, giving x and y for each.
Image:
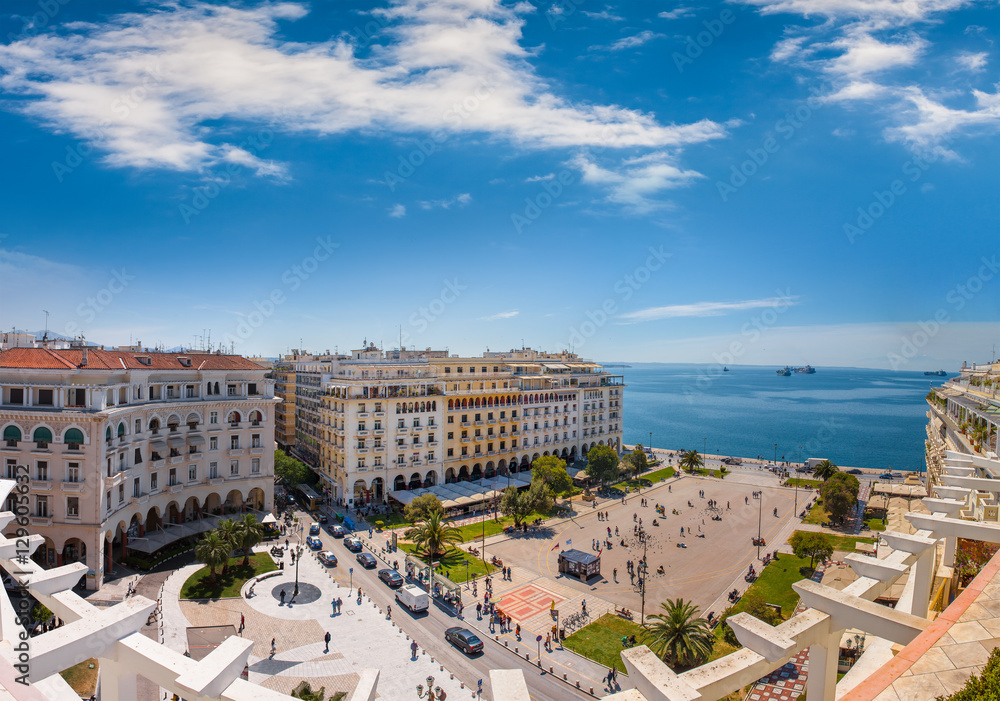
(198, 585)
(876, 524)
(474, 531)
(817, 514)
(846, 542)
(392, 520)
(601, 640)
(654, 477)
(82, 678)
(709, 473)
(799, 482)
(453, 563)
(775, 583)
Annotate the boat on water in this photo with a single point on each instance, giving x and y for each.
(937, 373)
(806, 370)
(785, 371)
(725, 369)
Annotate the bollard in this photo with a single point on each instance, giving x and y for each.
(506, 643)
(451, 676)
(550, 670)
(577, 683)
(515, 648)
(527, 655)
(461, 685)
(591, 691)
(564, 676)
(442, 668)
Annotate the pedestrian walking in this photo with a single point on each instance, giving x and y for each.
(274, 648)
(517, 631)
(413, 649)
(614, 573)
(340, 604)
(479, 611)
(243, 622)
(282, 596)
(388, 611)
(548, 642)
(326, 639)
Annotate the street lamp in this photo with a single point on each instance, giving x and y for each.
(298, 558)
(350, 587)
(466, 574)
(775, 453)
(760, 511)
(432, 693)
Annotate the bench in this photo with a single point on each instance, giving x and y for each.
(623, 613)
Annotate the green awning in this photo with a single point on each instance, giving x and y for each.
(107, 434)
(121, 429)
(42, 435)
(73, 435)
(12, 433)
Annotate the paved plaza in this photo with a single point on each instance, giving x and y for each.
(703, 571)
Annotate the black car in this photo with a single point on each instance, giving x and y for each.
(887, 476)
(464, 639)
(855, 471)
(391, 577)
(367, 560)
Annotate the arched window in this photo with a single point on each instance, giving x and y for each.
(216, 388)
(12, 434)
(121, 429)
(73, 437)
(42, 436)
(107, 434)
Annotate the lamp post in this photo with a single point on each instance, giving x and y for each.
(650, 441)
(775, 453)
(704, 445)
(298, 558)
(760, 511)
(466, 574)
(432, 692)
(350, 587)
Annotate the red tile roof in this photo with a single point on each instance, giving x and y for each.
(49, 359)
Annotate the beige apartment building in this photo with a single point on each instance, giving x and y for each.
(398, 420)
(130, 451)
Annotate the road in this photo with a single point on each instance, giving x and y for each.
(428, 630)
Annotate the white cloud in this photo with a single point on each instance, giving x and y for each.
(630, 42)
(500, 315)
(889, 10)
(972, 61)
(397, 211)
(677, 13)
(604, 14)
(863, 54)
(788, 48)
(930, 123)
(705, 309)
(539, 178)
(461, 200)
(637, 183)
(199, 69)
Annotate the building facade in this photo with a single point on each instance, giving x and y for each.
(399, 420)
(131, 451)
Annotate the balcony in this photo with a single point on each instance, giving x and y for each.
(41, 520)
(479, 423)
(257, 451)
(362, 414)
(362, 451)
(235, 452)
(432, 444)
(466, 424)
(71, 486)
(156, 464)
(466, 439)
(378, 432)
(212, 481)
(176, 459)
(233, 477)
(174, 488)
(491, 421)
(379, 414)
(362, 432)
(41, 485)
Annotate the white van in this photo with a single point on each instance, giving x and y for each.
(413, 597)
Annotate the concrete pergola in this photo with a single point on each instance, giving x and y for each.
(112, 634)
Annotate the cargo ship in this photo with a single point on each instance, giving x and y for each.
(785, 371)
(937, 373)
(807, 370)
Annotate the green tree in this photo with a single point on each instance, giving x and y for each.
(754, 603)
(678, 636)
(213, 551)
(521, 504)
(550, 470)
(289, 469)
(839, 494)
(248, 533)
(434, 535)
(227, 531)
(812, 545)
(421, 507)
(691, 460)
(825, 470)
(602, 463)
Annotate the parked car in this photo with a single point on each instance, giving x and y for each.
(367, 560)
(887, 476)
(314, 529)
(314, 542)
(338, 531)
(855, 471)
(328, 558)
(353, 544)
(464, 639)
(323, 518)
(391, 577)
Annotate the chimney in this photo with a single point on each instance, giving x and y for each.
(83, 361)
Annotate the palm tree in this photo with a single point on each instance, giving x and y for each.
(213, 551)
(979, 434)
(227, 531)
(248, 534)
(691, 460)
(679, 636)
(825, 470)
(434, 535)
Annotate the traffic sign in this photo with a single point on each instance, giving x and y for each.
(538, 638)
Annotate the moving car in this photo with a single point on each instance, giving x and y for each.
(338, 531)
(353, 544)
(323, 518)
(413, 597)
(855, 471)
(464, 639)
(314, 542)
(328, 558)
(367, 560)
(314, 529)
(391, 577)
(887, 476)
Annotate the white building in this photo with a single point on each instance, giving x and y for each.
(131, 451)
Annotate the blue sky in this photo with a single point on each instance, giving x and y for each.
(759, 182)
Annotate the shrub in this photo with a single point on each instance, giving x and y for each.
(379, 525)
(985, 687)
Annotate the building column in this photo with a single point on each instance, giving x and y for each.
(950, 545)
(822, 682)
(118, 683)
(923, 573)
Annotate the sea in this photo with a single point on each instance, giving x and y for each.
(855, 417)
